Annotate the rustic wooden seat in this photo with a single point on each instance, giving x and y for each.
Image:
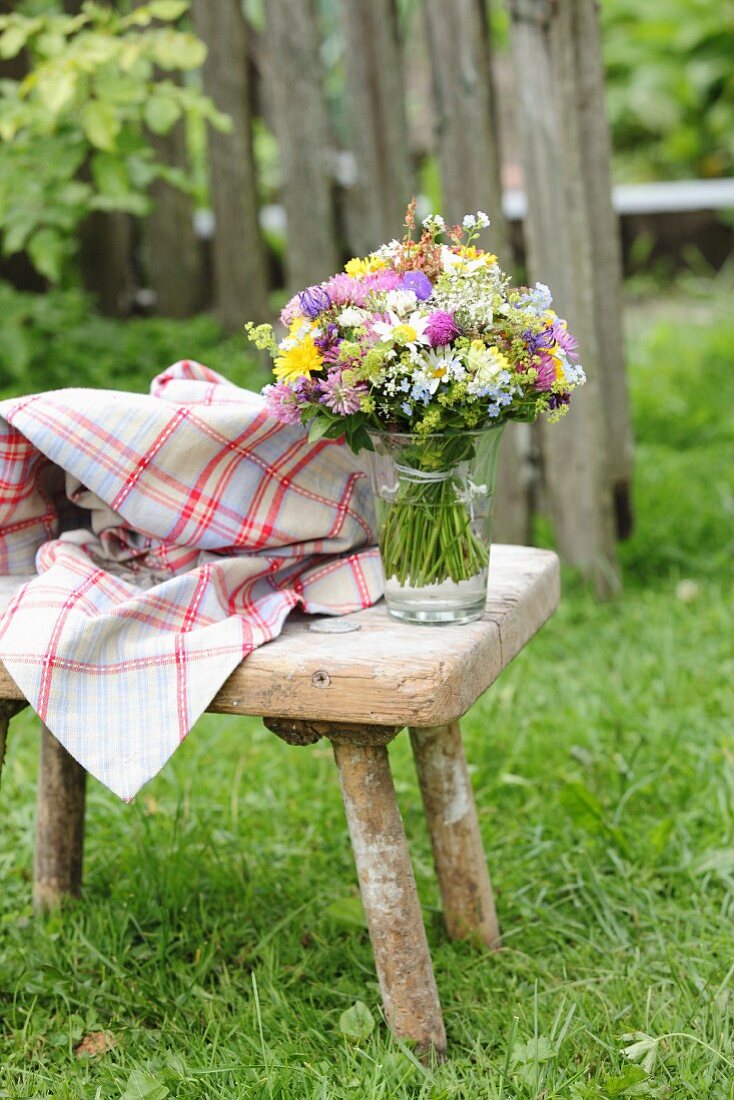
(358, 681)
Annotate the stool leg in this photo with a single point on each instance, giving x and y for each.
(8, 708)
(4, 722)
(451, 813)
(57, 871)
(389, 895)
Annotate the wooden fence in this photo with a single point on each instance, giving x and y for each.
(578, 474)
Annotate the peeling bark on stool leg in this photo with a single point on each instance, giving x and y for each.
(389, 894)
(451, 812)
(57, 869)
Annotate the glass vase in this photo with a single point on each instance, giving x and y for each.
(434, 498)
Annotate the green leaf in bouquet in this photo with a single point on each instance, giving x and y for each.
(320, 426)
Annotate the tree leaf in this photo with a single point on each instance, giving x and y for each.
(15, 37)
(47, 250)
(101, 124)
(160, 113)
(175, 50)
(56, 89)
(110, 176)
(357, 1023)
(167, 9)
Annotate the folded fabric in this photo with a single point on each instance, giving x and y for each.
(171, 533)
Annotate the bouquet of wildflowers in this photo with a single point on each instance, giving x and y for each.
(424, 336)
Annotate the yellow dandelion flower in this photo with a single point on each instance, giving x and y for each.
(358, 266)
(301, 359)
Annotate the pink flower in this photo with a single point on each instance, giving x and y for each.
(441, 328)
(282, 403)
(348, 290)
(383, 280)
(340, 396)
(345, 290)
(546, 372)
(291, 310)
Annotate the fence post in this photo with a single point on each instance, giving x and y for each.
(377, 123)
(547, 38)
(294, 87)
(606, 254)
(237, 250)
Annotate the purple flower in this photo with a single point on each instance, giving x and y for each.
(556, 400)
(565, 340)
(419, 283)
(539, 341)
(282, 403)
(340, 396)
(313, 301)
(441, 328)
(307, 390)
(328, 338)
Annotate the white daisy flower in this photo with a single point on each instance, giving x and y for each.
(409, 332)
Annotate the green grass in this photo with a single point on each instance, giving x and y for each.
(218, 940)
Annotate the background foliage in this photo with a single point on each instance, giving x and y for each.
(670, 86)
(76, 129)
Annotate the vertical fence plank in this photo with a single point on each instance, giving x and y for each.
(294, 85)
(377, 122)
(173, 254)
(464, 112)
(559, 240)
(238, 255)
(606, 260)
(468, 151)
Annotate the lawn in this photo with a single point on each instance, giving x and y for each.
(220, 941)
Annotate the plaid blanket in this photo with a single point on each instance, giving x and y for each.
(172, 533)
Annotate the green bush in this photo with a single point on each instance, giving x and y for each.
(56, 339)
(76, 130)
(670, 86)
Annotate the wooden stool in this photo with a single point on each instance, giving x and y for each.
(358, 681)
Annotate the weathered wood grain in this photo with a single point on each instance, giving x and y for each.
(378, 126)
(451, 814)
(387, 672)
(295, 103)
(561, 252)
(389, 895)
(60, 800)
(237, 250)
